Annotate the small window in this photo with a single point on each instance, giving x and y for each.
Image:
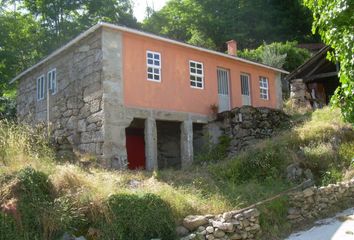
(196, 74)
(263, 86)
(153, 62)
(52, 81)
(40, 88)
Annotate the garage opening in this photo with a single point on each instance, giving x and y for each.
(135, 144)
(168, 144)
(200, 138)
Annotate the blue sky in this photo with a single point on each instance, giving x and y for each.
(140, 7)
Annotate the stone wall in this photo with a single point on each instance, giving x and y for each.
(315, 202)
(299, 96)
(227, 226)
(75, 114)
(248, 124)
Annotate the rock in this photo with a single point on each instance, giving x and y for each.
(81, 125)
(227, 216)
(251, 213)
(235, 236)
(219, 233)
(308, 192)
(190, 237)
(192, 222)
(209, 229)
(181, 231)
(201, 229)
(227, 227)
(210, 237)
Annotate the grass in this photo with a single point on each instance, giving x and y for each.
(79, 197)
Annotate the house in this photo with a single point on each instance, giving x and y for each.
(137, 100)
(313, 83)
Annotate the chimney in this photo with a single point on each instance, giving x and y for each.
(232, 47)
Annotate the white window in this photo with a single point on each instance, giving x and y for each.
(40, 88)
(52, 81)
(263, 86)
(196, 74)
(153, 62)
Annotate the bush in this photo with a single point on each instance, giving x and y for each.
(257, 163)
(8, 228)
(214, 153)
(138, 217)
(40, 215)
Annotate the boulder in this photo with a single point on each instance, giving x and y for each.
(192, 222)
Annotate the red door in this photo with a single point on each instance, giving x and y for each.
(136, 151)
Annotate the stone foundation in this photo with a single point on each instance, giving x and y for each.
(227, 226)
(248, 124)
(315, 202)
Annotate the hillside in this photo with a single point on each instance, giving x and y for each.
(42, 197)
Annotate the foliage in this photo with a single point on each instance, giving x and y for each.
(45, 25)
(138, 217)
(287, 53)
(214, 153)
(247, 21)
(333, 20)
(8, 228)
(7, 107)
(17, 29)
(258, 164)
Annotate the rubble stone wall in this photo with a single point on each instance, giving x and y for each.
(247, 124)
(232, 225)
(315, 202)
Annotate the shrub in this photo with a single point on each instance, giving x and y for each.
(214, 153)
(259, 163)
(40, 215)
(138, 217)
(8, 228)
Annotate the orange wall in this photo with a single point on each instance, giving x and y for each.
(174, 91)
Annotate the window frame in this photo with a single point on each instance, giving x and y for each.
(41, 87)
(262, 87)
(153, 66)
(49, 81)
(196, 74)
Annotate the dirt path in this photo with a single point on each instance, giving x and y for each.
(340, 227)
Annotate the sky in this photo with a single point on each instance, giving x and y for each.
(140, 7)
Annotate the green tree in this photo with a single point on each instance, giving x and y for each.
(286, 55)
(334, 21)
(250, 22)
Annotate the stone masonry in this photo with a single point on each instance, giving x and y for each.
(315, 202)
(232, 225)
(248, 124)
(76, 110)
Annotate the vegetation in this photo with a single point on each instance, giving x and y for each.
(51, 197)
(282, 55)
(333, 20)
(248, 22)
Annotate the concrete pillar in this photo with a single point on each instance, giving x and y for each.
(115, 120)
(151, 144)
(279, 91)
(186, 143)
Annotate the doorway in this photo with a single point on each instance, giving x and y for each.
(245, 89)
(135, 144)
(223, 76)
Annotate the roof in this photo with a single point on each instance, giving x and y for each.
(141, 33)
(316, 57)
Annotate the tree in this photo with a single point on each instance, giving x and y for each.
(250, 22)
(334, 21)
(286, 55)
